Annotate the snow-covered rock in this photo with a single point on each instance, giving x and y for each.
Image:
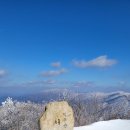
(107, 125)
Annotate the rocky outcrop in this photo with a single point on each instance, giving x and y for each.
(57, 116)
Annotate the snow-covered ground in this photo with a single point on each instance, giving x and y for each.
(107, 125)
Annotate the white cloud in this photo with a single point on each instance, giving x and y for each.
(36, 83)
(101, 61)
(2, 73)
(56, 64)
(122, 83)
(83, 84)
(52, 73)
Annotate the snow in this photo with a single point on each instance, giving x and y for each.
(107, 125)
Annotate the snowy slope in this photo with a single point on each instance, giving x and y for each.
(107, 125)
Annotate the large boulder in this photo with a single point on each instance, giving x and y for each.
(57, 116)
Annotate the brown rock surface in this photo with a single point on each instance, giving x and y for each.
(57, 116)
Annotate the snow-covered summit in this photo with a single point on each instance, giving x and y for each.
(107, 125)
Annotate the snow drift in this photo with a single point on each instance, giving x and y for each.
(107, 125)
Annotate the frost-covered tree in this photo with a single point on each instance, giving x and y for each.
(19, 115)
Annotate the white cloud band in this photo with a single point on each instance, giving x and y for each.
(101, 61)
(52, 73)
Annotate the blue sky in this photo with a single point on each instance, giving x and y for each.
(64, 41)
